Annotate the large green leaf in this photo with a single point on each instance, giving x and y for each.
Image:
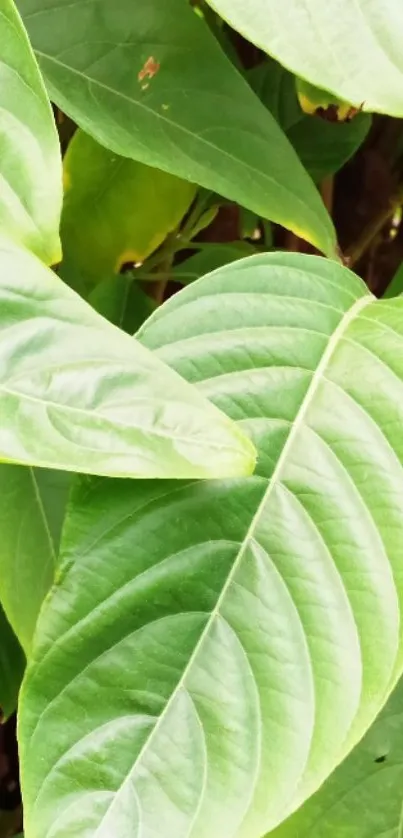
(30, 163)
(212, 650)
(323, 147)
(116, 210)
(149, 81)
(32, 506)
(352, 49)
(364, 796)
(12, 664)
(78, 394)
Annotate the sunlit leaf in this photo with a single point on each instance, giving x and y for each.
(352, 49)
(30, 163)
(227, 643)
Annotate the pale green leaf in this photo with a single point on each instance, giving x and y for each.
(116, 210)
(364, 796)
(212, 650)
(149, 81)
(353, 49)
(32, 506)
(12, 665)
(30, 163)
(80, 395)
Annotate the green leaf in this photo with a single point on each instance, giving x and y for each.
(121, 300)
(209, 258)
(30, 163)
(395, 286)
(152, 83)
(78, 394)
(32, 506)
(116, 210)
(223, 639)
(351, 49)
(12, 665)
(323, 147)
(364, 795)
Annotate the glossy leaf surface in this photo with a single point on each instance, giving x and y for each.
(30, 163)
(116, 210)
(226, 638)
(364, 796)
(80, 395)
(12, 665)
(32, 506)
(352, 49)
(150, 81)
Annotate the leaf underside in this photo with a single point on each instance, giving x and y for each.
(208, 641)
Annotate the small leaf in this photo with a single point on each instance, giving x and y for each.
(228, 643)
(116, 210)
(12, 665)
(395, 286)
(323, 147)
(364, 796)
(78, 394)
(30, 163)
(156, 86)
(32, 506)
(351, 49)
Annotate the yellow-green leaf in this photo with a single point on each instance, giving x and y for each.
(116, 210)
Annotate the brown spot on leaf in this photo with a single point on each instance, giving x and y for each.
(149, 70)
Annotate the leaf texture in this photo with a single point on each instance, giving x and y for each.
(80, 395)
(228, 643)
(30, 162)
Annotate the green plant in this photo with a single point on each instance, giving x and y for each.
(201, 527)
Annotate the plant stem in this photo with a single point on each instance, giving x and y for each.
(353, 254)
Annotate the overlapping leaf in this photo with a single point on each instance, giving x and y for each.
(32, 505)
(80, 395)
(149, 81)
(352, 49)
(323, 147)
(116, 210)
(211, 651)
(30, 163)
(12, 664)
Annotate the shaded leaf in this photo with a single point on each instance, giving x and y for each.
(395, 286)
(12, 665)
(152, 83)
(121, 300)
(364, 796)
(32, 506)
(223, 639)
(323, 147)
(80, 395)
(116, 210)
(351, 49)
(30, 163)
(209, 258)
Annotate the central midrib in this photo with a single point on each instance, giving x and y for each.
(308, 398)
